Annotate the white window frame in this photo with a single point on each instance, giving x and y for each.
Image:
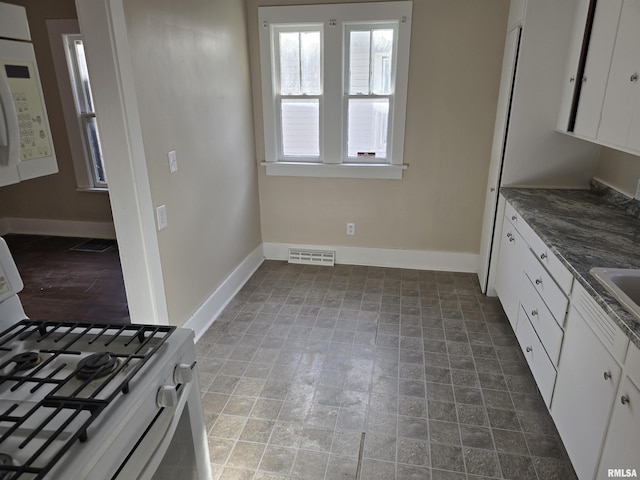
(336, 21)
(60, 31)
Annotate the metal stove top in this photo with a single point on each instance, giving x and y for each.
(55, 381)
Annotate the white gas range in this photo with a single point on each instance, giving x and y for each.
(90, 401)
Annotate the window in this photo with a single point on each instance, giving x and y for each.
(85, 114)
(334, 88)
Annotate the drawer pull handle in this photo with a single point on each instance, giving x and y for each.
(512, 239)
(624, 400)
(534, 313)
(529, 349)
(607, 375)
(543, 256)
(538, 281)
(509, 235)
(514, 218)
(633, 77)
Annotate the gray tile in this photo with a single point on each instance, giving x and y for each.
(380, 447)
(412, 427)
(413, 472)
(444, 432)
(277, 459)
(246, 455)
(517, 467)
(476, 437)
(413, 452)
(310, 465)
(256, 430)
(503, 419)
(481, 462)
(447, 457)
(377, 470)
(546, 446)
(472, 414)
(510, 442)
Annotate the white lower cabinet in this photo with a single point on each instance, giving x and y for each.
(586, 386)
(510, 270)
(622, 446)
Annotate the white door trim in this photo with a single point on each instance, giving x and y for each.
(103, 27)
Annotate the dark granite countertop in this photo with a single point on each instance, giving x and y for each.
(586, 229)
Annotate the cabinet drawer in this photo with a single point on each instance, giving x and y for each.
(551, 294)
(607, 331)
(632, 364)
(541, 367)
(547, 258)
(513, 216)
(544, 324)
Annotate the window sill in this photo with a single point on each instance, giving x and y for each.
(93, 189)
(342, 170)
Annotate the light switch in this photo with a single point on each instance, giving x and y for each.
(161, 217)
(173, 161)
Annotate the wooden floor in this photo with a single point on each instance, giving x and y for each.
(65, 285)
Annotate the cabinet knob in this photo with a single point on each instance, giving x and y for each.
(607, 375)
(543, 256)
(633, 78)
(514, 217)
(529, 349)
(509, 235)
(534, 313)
(492, 189)
(538, 281)
(584, 79)
(624, 400)
(572, 79)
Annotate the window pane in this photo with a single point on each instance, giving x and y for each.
(300, 63)
(368, 125)
(300, 127)
(382, 41)
(83, 72)
(359, 48)
(370, 61)
(93, 143)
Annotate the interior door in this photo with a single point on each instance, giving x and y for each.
(507, 82)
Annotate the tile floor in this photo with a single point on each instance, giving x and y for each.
(371, 373)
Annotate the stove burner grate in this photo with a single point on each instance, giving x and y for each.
(104, 376)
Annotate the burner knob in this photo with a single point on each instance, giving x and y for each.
(167, 396)
(182, 374)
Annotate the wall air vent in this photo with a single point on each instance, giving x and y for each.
(312, 257)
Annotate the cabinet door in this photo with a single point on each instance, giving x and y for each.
(586, 385)
(510, 270)
(596, 69)
(622, 447)
(623, 84)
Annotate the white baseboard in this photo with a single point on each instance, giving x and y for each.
(386, 257)
(57, 228)
(209, 311)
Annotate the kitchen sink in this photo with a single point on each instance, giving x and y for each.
(623, 284)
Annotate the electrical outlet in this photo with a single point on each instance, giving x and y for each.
(161, 217)
(351, 228)
(173, 161)
(637, 195)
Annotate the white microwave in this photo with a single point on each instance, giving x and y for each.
(26, 147)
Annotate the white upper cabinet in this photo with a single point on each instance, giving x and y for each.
(596, 68)
(621, 98)
(601, 100)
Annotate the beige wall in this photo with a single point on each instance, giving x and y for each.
(53, 196)
(191, 69)
(454, 75)
(619, 170)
